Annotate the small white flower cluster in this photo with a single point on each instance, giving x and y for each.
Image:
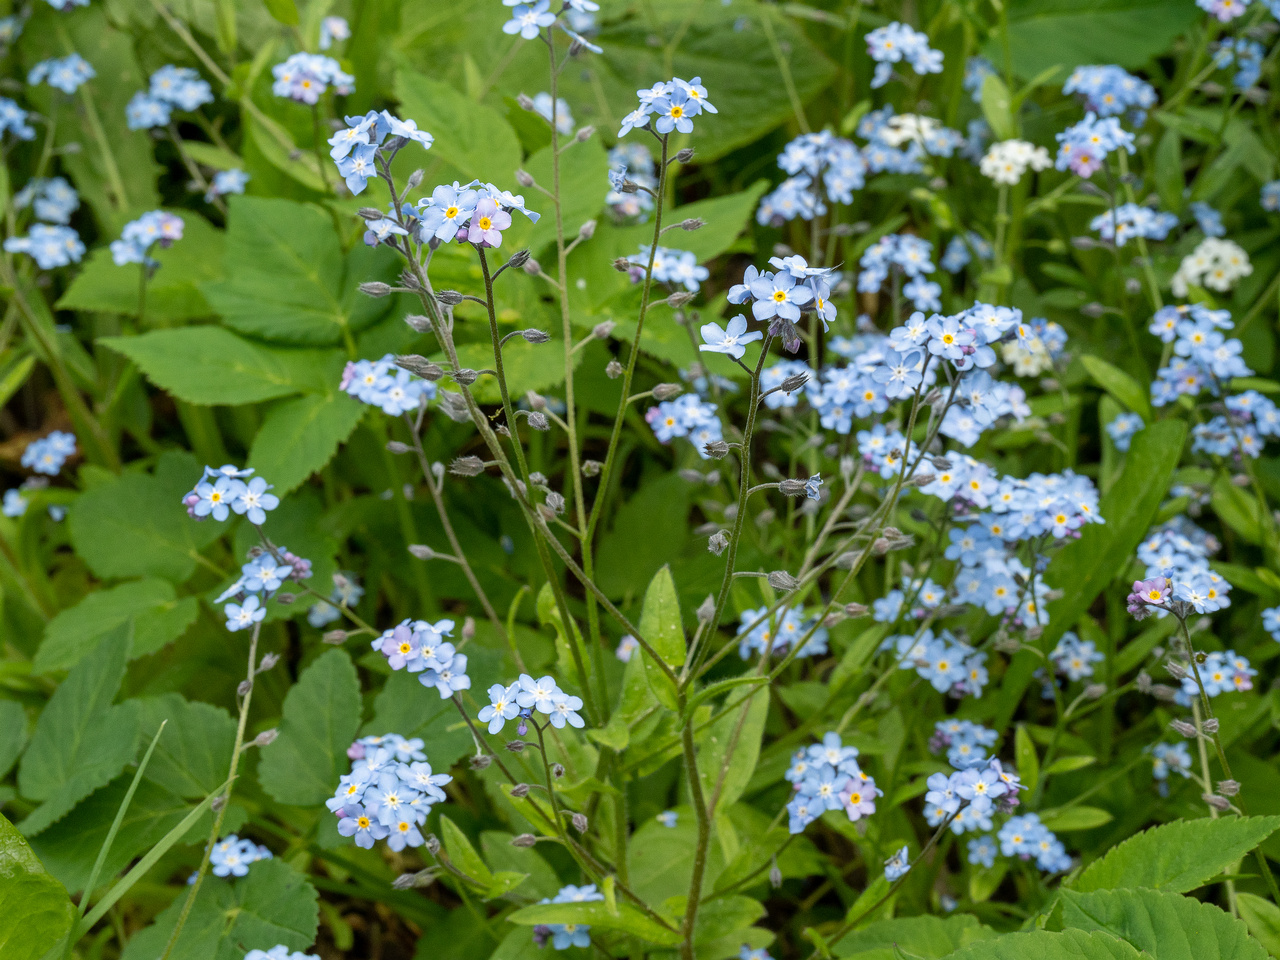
(1215, 263)
(1007, 161)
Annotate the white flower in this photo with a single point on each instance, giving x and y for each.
(1007, 161)
(1215, 263)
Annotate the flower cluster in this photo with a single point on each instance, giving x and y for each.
(1027, 838)
(232, 857)
(52, 199)
(420, 647)
(632, 180)
(265, 572)
(1074, 658)
(280, 952)
(674, 268)
(1207, 219)
(388, 793)
(526, 697)
(476, 213)
(1129, 220)
(1169, 758)
(49, 246)
(1110, 91)
(380, 383)
(949, 665)
(895, 43)
(1007, 161)
(331, 29)
(13, 119)
(1085, 145)
(304, 77)
(1215, 263)
(816, 163)
(778, 634)
(1203, 356)
(781, 297)
(566, 935)
(225, 182)
(1037, 348)
(1178, 575)
(900, 143)
(1246, 54)
(967, 798)
(228, 491)
(355, 149)
(62, 73)
(906, 254)
(671, 105)
(346, 592)
(140, 235)
(686, 416)
(964, 741)
(826, 776)
(962, 248)
(49, 453)
(171, 88)
(1122, 429)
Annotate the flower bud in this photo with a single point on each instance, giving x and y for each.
(667, 391)
(707, 609)
(520, 791)
(613, 370)
(679, 299)
(395, 446)
(557, 771)
(284, 598)
(516, 746)
(792, 487)
(375, 288)
(422, 551)
(580, 822)
(1095, 690)
(1228, 788)
(775, 875)
(1210, 726)
(433, 844)
(691, 476)
(266, 738)
(855, 610)
(407, 881)
(470, 466)
(335, 637)
(268, 661)
(1218, 803)
(602, 330)
(465, 376)
(587, 230)
(450, 298)
(524, 178)
(716, 449)
(591, 468)
(370, 213)
(719, 541)
(539, 421)
(685, 155)
(415, 179)
(418, 323)
(533, 335)
(525, 101)
(532, 267)
(556, 502)
(923, 479)
(794, 382)
(585, 134)
(524, 840)
(420, 366)
(781, 580)
(243, 688)
(1176, 670)
(481, 761)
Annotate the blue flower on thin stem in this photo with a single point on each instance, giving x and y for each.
(676, 111)
(897, 865)
(778, 296)
(253, 501)
(566, 711)
(731, 341)
(502, 706)
(358, 824)
(528, 21)
(241, 616)
(357, 168)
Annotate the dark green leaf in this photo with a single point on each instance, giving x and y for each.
(300, 435)
(596, 914)
(37, 912)
(474, 139)
(1042, 945)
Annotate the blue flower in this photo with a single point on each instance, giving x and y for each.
(64, 73)
(359, 824)
(502, 706)
(49, 246)
(215, 499)
(982, 850)
(676, 111)
(331, 29)
(357, 168)
(732, 341)
(138, 236)
(252, 500)
(242, 616)
(226, 182)
(528, 21)
(667, 818)
(448, 209)
(180, 87)
(778, 295)
(145, 111)
(280, 952)
(448, 675)
(13, 119)
(897, 865)
(565, 710)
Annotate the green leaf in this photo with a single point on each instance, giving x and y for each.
(1075, 818)
(211, 365)
(127, 527)
(287, 279)
(1166, 926)
(148, 610)
(1238, 509)
(662, 629)
(726, 218)
(582, 163)
(647, 531)
(37, 912)
(405, 707)
(286, 11)
(1024, 753)
(1070, 764)
(173, 291)
(81, 742)
(635, 702)
(274, 904)
(658, 861)
(13, 733)
(732, 745)
(1120, 385)
(192, 757)
(1262, 917)
(1042, 945)
(1169, 178)
(299, 436)
(321, 718)
(1176, 856)
(997, 107)
(1070, 33)
(926, 937)
(463, 854)
(475, 139)
(596, 914)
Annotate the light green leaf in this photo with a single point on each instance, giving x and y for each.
(658, 861)
(997, 107)
(274, 904)
(13, 733)
(321, 718)
(287, 279)
(1120, 385)
(300, 435)
(192, 757)
(1176, 856)
(732, 745)
(1166, 926)
(1262, 917)
(211, 365)
(81, 741)
(37, 912)
(127, 527)
(596, 914)
(463, 854)
(406, 707)
(1075, 818)
(286, 11)
(636, 701)
(1024, 754)
(1238, 509)
(1071, 764)
(582, 163)
(662, 629)
(475, 139)
(149, 610)
(926, 937)
(1042, 945)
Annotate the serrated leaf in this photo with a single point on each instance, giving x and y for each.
(596, 914)
(37, 912)
(1176, 856)
(475, 139)
(1167, 926)
(1120, 385)
(148, 610)
(273, 904)
(193, 756)
(300, 435)
(925, 937)
(321, 719)
(1262, 917)
(1042, 945)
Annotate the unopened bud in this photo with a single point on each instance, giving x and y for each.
(923, 479)
(794, 382)
(716, 449)
(243, 688)
(481, 761)
(465, 376)
(520, 791)
(706, 609)
(1210, 726)
(433, 844)
(613, 370)
(557, 771)
(1093, 310)
(691, 476)
(335, 637)
(693, 223)
(591, 468)
(525, 101)
(679, 299)
(418, 323)
(470, 466)
(539, 421)
(846, 560)
(580, 822)
(556, 501)
(524, 178)
(218, 803)
(587, 230)
(685, 155)
(719, 541)
(1084, 243)
(533, 335)
(1176, 670)
(516, 746)
(1095, 690)
(420, 366)
(422, 551)
(284, 598)
(1218, 803)
(266, 738)
(450, 298)
(781, 580)
(268, 661)
(667, 391)
(524, 840)
(585, 134)
(1143, 682)
(469, 629)
(775, 875)
(1162, 691)
(880, 547)
(375, 288)
(855, 610)
(407, 881)
(1228, 788)
(395, 446)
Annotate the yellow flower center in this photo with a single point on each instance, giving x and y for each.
(450, 213)
(677, 111)
(486, 223)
